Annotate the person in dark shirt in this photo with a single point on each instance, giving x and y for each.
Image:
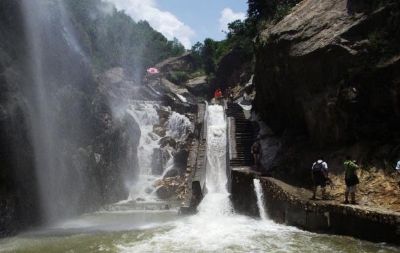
(256, 153)
(351, 180)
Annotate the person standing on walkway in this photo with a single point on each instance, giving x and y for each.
(351, 180)
(319, 176)
(256, 152)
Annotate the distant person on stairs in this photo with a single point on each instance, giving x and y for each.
(351, 180)
(319, 176)
(256, 152)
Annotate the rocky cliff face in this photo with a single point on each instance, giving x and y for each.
(327, 80)
(18, 191)
(330, 70)
(234, 69)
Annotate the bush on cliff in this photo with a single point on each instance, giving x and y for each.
(269, 10)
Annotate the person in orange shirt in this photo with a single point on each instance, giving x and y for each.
(218, 93)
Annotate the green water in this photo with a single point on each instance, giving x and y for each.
(165, 231)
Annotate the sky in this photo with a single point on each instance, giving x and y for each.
(187, 20)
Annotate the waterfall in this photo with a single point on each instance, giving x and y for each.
(260, 198)
(178, 127)
(216, 201)
(55, 106)
(146, 116)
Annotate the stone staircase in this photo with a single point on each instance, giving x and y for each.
(244, 137)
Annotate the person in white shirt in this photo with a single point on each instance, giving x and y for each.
(319, 175)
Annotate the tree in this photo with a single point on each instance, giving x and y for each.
(208, 54)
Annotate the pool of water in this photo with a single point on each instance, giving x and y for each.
(132, 226)
(166, 231)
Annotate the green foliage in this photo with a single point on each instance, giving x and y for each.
(282, 11)
(209, 53)
(269, 10)
(114, 39)
(384, 40)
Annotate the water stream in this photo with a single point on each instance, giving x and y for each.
(216, 227)
(260, 198)
(146, 116)
(52, 95)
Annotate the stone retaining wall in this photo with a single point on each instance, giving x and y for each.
(290, 205)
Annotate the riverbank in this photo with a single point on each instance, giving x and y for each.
(291, 205)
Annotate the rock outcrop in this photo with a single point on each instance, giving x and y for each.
(327, 83)
(234, 69)
(318, 72)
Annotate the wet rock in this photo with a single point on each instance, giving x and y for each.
(172, 173)
(160, 158)
(168, 140)
(181, 159)
(159, 130)
(156, 162)
(163, 115)
(165, 192)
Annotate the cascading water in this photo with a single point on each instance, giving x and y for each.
(216, 200)
(178, 127)
(216, 228)
(146, 116)
(260, 198)
(52, 101)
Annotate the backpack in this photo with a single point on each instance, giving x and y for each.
(318, 166)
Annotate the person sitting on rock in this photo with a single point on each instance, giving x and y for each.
(351, 180)
(319, 175)
(256, 153)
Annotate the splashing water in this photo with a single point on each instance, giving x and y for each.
(178, 126)
(260, 198)
(146, 116)
(216, 228)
